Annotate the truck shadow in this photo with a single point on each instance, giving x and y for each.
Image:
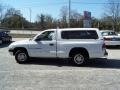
(98, 63)
(103, 63)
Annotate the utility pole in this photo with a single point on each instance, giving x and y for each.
(69, 14)
(30, 14)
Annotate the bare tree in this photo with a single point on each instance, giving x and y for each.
(75, 18)
(1, 12)
(41, 21)
(49, 21)
(113, 11)
(64, 16)
(12, 12)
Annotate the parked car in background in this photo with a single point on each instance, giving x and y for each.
(111, 38)
(5, 36)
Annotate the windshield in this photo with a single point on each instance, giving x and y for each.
(109, 33)
(32, 36)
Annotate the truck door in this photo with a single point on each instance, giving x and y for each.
(44, 45)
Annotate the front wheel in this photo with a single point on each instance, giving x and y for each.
(79, 59)
(21, 56)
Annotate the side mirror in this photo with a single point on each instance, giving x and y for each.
(38, 39)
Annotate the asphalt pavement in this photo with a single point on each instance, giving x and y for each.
(57, 74)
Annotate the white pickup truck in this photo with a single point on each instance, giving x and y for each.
(79, 44)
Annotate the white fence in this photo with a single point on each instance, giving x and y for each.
(24, 32)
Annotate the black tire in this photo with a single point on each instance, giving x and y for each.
(21, 56)
(79, 58)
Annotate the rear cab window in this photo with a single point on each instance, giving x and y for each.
(79, 34)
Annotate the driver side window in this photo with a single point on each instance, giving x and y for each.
(46, 36)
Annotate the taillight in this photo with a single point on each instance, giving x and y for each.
(107, 39)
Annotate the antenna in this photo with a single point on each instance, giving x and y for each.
(30, 13)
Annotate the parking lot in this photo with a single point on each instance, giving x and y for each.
(57, 74)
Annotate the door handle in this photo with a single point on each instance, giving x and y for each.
(51, 44)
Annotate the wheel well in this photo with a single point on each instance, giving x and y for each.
(19, 48)
(81, 50)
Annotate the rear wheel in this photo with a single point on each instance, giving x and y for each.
(79, 58)
(21, 56)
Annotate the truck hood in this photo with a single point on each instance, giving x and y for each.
(22, 42)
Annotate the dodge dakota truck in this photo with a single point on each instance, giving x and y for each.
(77, 44)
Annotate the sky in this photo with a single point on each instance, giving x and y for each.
(52, 7)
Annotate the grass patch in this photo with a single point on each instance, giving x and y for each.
(22, 35)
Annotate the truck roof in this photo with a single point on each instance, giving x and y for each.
(65, 29)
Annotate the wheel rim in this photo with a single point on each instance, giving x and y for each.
(22, 57)
(79, 59)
